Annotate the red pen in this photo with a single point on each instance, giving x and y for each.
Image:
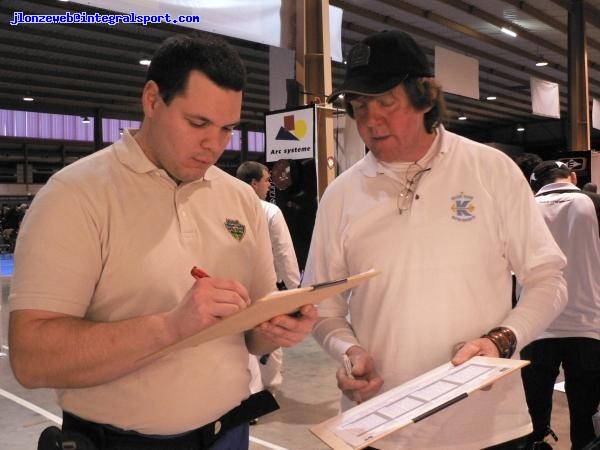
(198, 273)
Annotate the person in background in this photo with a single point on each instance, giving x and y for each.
(268, 372)
(572, 340)
(429, 209)
(102, 273)
(284, 257)
(526, 162)
(590, 187)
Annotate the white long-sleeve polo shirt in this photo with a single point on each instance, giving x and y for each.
(572, 219)
(445, 278)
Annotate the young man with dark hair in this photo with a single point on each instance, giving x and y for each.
(102, 272)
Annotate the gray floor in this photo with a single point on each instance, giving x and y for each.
(308, 396)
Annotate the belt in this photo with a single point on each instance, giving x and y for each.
(105, 436)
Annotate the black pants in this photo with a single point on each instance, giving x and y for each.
(580, 359)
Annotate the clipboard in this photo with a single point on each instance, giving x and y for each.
(412, 402)
(267, 307)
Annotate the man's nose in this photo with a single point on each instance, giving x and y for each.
(373, 113)
(214, 138)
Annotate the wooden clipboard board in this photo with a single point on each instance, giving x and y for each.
(267, 307)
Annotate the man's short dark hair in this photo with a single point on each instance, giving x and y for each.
(548, 172)
(250, 170)
(527, 162)
(178, 55)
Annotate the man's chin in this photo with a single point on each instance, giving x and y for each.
(189, 175)
(381, 152)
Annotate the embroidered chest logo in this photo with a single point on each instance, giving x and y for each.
(235, 228)
(462, 207)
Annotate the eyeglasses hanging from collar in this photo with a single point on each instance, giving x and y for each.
(407, 194)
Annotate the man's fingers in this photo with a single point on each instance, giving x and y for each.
(223, 290)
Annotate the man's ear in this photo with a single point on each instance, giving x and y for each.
(150, 98)
(573, 176)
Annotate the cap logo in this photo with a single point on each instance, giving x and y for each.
(359, 55)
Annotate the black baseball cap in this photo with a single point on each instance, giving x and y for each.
(546, 172)
(381, 61)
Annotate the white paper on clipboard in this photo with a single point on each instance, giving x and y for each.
(411, 402)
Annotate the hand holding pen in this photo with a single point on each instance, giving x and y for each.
(227, 285)
(358, 379)
(283, 330)
(208, 300)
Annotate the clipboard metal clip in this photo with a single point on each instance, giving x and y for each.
(329, 283)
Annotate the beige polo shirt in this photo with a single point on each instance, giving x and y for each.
(112, 237)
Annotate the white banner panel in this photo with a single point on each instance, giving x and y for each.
(596, 114)
(335, 33)
(290, 134)
(458, 74)
(255, 21)
(545, 98)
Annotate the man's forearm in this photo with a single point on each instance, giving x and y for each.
(543, 299)
(335, 335)
(69, 352)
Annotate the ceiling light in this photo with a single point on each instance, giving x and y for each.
(520, 128)
(511, 33)
(541, 63)
(85, 120)
(461, 116)
(27, 98)
(491, 97)
(145, 62)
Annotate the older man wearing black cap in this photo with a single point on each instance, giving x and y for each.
(445, 220)
(573, 339)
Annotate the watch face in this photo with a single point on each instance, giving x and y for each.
(280, 174)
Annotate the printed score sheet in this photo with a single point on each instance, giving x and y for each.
(267, 307)
(411, 402)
